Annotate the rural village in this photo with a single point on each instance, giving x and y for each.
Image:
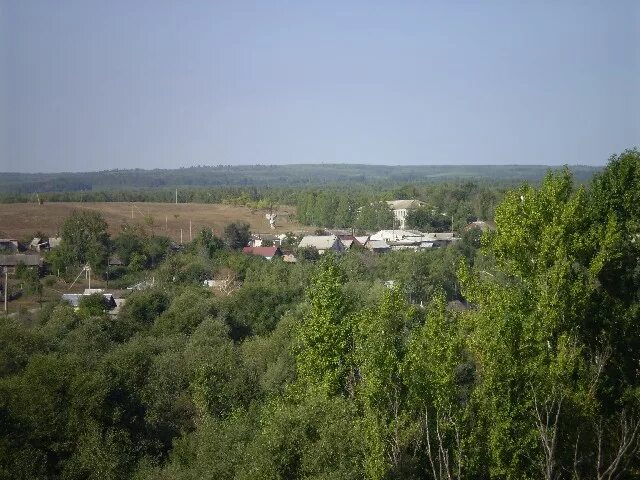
(18, 256)
(256, 240)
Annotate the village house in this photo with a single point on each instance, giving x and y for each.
(362, 239)
(322, 243)
(74, 299)
(377, 246)
(410, 239)
(264, 252)
(10, 262)
(349, 241)
(264, 239)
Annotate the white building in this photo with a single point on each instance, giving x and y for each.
(413, 239)
(401, 209)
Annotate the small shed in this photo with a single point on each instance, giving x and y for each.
(12, 261)
(115, 261)
(9, 245)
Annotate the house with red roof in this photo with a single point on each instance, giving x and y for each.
(264, 252)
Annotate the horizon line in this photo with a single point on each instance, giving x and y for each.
(264, 165)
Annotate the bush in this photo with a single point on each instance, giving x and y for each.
(92, 305)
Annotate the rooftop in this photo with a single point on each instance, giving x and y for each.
(404, 204)
(18, 258)
(262, 251)
(320, 242)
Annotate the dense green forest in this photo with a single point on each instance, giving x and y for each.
(511, 356)
(269, 175)
(365, 208)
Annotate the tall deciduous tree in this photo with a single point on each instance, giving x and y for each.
(236, 235)
(85, 238)
(546, 317)
(324, 355)
(380, 347)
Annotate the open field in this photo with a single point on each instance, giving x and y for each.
(21, 220)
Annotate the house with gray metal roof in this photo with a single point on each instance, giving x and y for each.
(322, 243)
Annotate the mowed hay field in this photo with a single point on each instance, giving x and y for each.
(21, 220)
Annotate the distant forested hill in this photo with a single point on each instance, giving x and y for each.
(272, 175)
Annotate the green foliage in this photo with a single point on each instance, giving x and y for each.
(318, 370)
(185, 269)
(208, 243)
(139, 312)
(325, 336)
(128, 243)
(553, 304)
(85, 239)
(17, 345)
(256, 309)
(380, 347)
(29, 279)
(92, 305)
(307, 254)
(236, 235)
(426, 220)
(313, 439)
(374, 216)
(138, 249)
(186, 312)
(257, 185)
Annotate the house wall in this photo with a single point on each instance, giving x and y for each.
(400, 215)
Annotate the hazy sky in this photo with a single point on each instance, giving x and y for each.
(88, 85)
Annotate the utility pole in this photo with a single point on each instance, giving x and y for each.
(190, 237)
(132, 210)
(181, 236)
(176, 196)
(166, 223)
(6, 284)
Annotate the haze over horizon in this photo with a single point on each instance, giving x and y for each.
(88, 86)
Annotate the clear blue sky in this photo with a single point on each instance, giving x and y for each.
(92, 85)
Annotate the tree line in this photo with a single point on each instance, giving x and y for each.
(300, 175)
